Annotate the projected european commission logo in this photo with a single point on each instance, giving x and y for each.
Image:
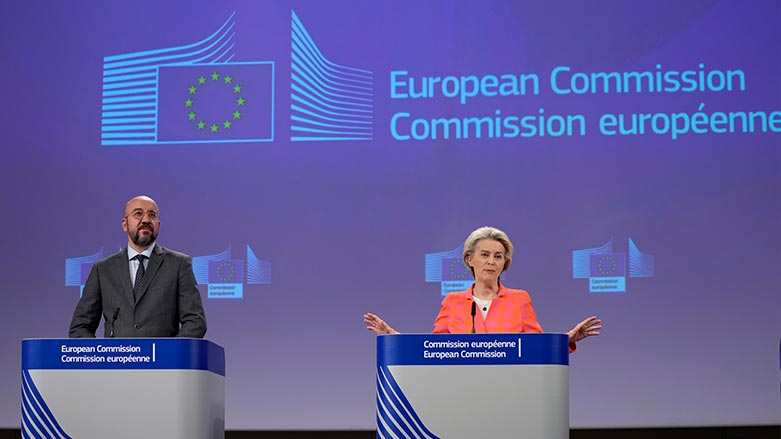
(194, 93)
(448, 269)
(224, 275)
(77, 269)
(607, 270)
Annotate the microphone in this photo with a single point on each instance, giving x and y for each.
(114, 319)
(474, 308)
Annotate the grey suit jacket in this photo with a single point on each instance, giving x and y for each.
(169, 298)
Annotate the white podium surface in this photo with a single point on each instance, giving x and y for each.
(454, 386)
(123, 388)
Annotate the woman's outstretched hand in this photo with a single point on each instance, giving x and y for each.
(584, 329)
(377, 325)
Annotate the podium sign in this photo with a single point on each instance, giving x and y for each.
(454, 386)
(123, 388)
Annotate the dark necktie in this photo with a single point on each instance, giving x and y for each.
(139, 276)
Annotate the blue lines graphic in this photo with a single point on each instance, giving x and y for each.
(396, 418)
(131, 84)
(37, 419)
(581, 264)
(640, 265)
(201, 265)
(258, 271)
(330, 101)
(434, 263)
(73, 266)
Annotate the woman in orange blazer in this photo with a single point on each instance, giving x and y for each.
(488, 253)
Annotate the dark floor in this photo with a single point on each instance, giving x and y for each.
(754, 432)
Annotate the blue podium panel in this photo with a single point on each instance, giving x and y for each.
(123, 388)
(454, 386)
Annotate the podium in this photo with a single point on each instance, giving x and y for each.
(123, 388)
(454, 386)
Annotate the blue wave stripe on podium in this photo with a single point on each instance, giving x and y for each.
(37, 419)
(396, 418)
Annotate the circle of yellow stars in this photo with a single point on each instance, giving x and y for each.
(225, 271)
(458, 269)
(607, 265)
(192, 91)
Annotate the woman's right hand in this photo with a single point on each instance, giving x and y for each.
(377, 325)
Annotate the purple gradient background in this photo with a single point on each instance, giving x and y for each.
(347, 225)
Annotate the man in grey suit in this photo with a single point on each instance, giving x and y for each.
(144, 290)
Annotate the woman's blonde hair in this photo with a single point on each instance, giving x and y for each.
(488, 233)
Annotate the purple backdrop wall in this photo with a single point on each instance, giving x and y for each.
(344, 226)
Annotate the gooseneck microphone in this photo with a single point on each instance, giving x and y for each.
(114, 319)
(474, 308)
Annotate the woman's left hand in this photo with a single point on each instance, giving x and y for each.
(378, 325)
(586, 328)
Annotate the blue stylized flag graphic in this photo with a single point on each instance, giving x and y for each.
(77, 269)
(226, 279)
(609, 265)
(216, 103)
(226, 272)
(225, 276)
(201, 264)
(454, 269)
(581, 259)
(607, 273)
(434, 263)
(192, 93)
(456, 276)
(449, 270)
